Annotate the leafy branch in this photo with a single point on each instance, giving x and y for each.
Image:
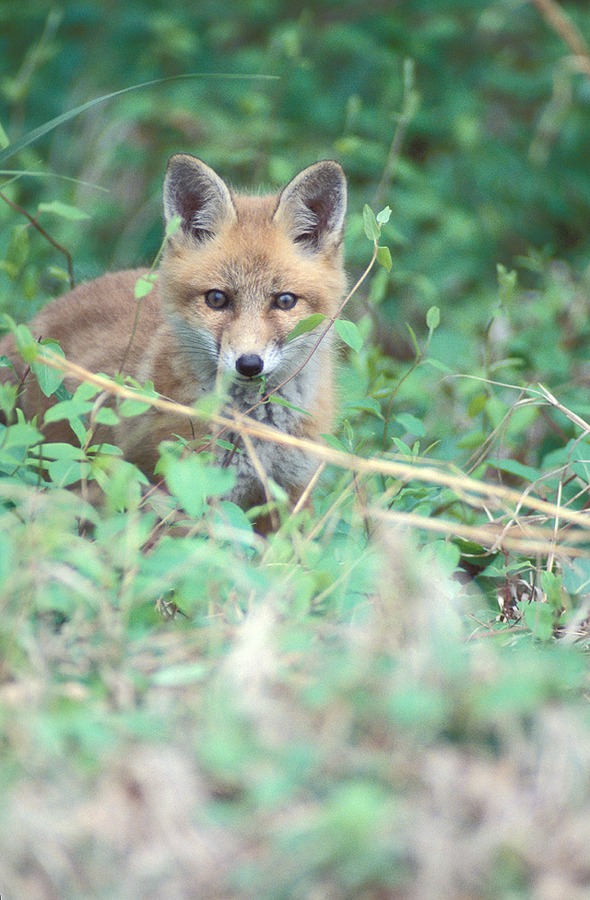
(35, 223)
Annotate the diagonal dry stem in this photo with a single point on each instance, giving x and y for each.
(472, 491)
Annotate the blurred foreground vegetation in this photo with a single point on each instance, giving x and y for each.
(339, 711)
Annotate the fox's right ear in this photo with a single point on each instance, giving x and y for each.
(313, 205)
(197, 194)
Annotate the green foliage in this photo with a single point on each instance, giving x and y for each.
(306, 325)
(327, 710)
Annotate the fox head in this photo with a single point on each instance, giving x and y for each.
(239, 272)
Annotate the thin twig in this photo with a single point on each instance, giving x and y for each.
(321, 336)
(304, 498)
(409, 106)
(533, 540)
(44, 234)
(564, 27)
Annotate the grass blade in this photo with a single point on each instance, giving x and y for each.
(42, 130)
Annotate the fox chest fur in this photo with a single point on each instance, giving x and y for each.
(237, 275)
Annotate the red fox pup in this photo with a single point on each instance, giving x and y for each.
(236, 277)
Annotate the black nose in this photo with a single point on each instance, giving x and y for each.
(250, 364)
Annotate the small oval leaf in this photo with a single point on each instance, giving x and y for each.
(349, 333)
(372, 227)
(384, 258)
(305, 325)
(384, 216)
(433, 318)
(145, 284)
(48, 379)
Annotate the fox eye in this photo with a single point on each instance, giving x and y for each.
(216, 299)
(285, 301)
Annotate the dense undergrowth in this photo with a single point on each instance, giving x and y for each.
(387, 697)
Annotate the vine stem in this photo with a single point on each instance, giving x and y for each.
(322, 334)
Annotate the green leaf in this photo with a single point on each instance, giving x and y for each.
(228, 514)
(445, 553)
(17, 251)
(103, 449)
(384, 258)
(372, 227)
(63, 210)
(62, 393)
(349, 333)
(129, 408)
(476, 405)
(85, 391)
(411, 424)
(173, 226)
(414, 339)
(67, 409)
(402, 446)
(228, 445)
(65, 472)
(20, 435)
(120, 480)
(280, 401)
(191, 481)
(8, 398)
(63, 451)
(106, 416)
(335, 443)
(26, 344)
(514, 467)
(433, 318)
(48, 378)
(370, 405)
(4, 142)
(305, 325)
(507, 283)
(438, 365)
(553, 586)
(145, 284)
(540, 619)
(384, 216)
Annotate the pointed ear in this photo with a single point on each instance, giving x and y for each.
(197, 194)
(313, 205)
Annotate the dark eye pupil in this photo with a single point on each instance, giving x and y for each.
(216, 299)
(286, 301)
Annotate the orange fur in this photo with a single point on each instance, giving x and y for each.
(251, 251)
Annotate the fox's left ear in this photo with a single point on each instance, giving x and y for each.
(313, 205)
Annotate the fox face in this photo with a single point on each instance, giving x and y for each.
(240, 271)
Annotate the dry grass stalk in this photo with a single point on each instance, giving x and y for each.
(471, 491)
